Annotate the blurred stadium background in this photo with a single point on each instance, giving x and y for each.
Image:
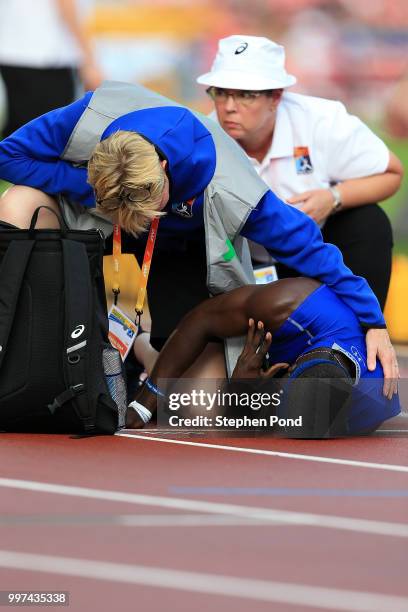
(352, 50)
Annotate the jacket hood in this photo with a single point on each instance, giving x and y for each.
(181, 139)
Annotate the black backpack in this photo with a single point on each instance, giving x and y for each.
(56, 364)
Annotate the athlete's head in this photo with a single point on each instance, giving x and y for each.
(130, 182)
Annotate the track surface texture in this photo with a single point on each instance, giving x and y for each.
(154, 521)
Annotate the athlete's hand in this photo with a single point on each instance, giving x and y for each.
(133, 420)
(249, 364)
(379, 345)
(317, 203)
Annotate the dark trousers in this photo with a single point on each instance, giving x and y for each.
(364, 236)
(31, 92)
(177, 281)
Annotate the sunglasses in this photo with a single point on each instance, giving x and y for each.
(138, 196)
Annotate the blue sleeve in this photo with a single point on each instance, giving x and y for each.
(294, 239)
(31, 155)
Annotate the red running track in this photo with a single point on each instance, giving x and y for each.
(133, 522)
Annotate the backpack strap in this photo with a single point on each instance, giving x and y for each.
(78, 329)
(12, 272)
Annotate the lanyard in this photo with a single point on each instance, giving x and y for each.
(145, 270)
(116, 254)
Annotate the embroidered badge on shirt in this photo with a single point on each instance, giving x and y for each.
(302, 160)
(183, 209)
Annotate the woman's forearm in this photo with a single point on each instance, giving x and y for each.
(371, 189)
(89, 70)
(368, 190)
(69, 15)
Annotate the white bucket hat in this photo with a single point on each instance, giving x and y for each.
(248, 62)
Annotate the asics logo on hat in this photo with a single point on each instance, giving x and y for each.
(241, 48)
(251, 63)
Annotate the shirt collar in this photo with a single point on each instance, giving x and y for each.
(282, 141)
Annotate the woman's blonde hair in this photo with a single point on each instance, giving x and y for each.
(128, 179)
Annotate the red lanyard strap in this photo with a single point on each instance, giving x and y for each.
(116, 255)
(147, 260)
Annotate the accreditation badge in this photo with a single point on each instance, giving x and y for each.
(265, 275)
(122, 331)
(302, 160)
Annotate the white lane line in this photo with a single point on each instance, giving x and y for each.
(136, 520)
(257, 451)
(256, 513)
(188, 520)
(210, 584)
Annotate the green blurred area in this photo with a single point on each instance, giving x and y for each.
(397, 206)
(3, 186)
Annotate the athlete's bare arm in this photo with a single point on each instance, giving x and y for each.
(225, 316)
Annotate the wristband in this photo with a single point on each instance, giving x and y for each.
(337, 203)
(142, 411)
(152, 387)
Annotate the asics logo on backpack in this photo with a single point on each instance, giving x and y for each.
(78, 331)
